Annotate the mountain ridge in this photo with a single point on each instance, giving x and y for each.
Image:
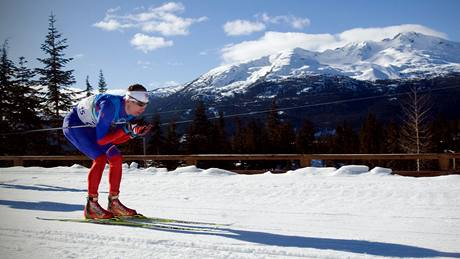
(408, 55)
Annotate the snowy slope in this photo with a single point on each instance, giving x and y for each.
(407, 55)
(309, 213)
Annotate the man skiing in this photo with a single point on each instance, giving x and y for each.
(108, 118)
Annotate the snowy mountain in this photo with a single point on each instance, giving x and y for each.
(407, 55)
(308, 79)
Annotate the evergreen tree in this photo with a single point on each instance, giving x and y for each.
(7, 78)
(26, 106)
(345, 140)
(287, 139)
(171, 145)
(370, 136)
(305, 138)
(25, 98)
(198, 140)
(446, 135)
(273, 125)
(391, 145)
(58, 97)
(102, 85)
(220, 144)
(156, 141)
(237, 140)
(172, 140)
(7, 74)
(254, 138)
(391, 139)
(89, 87)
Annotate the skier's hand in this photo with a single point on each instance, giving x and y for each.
(141, 130)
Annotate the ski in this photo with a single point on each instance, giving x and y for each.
(139, 224)
(142, 218)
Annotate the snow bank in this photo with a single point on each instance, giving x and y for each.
(352, 170)
(380, 171)
(193, 170)
(312, 171)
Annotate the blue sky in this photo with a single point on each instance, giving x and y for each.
(161, 43)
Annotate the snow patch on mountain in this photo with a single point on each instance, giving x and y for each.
(407, 55)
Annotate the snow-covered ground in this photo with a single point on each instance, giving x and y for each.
(308, 213)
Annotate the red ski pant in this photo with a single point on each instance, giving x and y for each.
(95, 174)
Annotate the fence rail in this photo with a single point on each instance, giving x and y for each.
(444, 159)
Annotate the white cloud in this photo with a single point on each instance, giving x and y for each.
(242, 27)
(147, 43)
(273, 42)
(299, 23)
(164, 19)
(245, 27)
(144, 64)
(111, 25)
(377, 34)
(294, 21)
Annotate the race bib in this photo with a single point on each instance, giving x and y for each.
(86, 111)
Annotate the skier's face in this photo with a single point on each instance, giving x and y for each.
(135, 108)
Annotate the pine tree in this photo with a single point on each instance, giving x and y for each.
(172, 140)
(58, 97)
(156, 141)
(345, 140)
(7, 74)
(7, 78)
(237, 139)
(391, 144)
(305, 138)
(273, 129)
(253, 138)
(102, 85)
(370, 136)
(391, 139)
(171, 145)
(287, 139)
(220, 144)
(199, 131)
(26, 116)
(89, 87)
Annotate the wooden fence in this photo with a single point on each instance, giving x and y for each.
(447, 161)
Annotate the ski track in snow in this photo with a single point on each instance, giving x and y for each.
(302, 214)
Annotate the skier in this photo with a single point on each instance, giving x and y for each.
(110, 117)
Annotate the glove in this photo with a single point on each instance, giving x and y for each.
(141, 130)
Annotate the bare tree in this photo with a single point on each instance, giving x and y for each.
(415, 132)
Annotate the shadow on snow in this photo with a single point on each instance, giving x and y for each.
(344, 245)
(42, 205)
(341, 245)
(40, 187)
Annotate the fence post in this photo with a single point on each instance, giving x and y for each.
(305, 162)
(18, 162)
(191, 161)
(444, 162)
